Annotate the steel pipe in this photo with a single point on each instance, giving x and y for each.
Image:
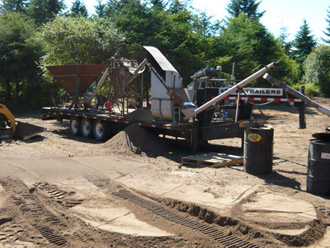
(297, 94)
(99, 84)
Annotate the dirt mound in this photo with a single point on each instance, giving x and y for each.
(140, 115)
(135, 139)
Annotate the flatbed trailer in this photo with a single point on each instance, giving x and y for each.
(172, 109)
(115, 123)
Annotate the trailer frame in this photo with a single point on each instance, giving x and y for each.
(117, 123)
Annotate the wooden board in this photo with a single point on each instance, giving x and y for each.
(214, 160)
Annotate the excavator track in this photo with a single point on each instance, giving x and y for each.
(225, 240)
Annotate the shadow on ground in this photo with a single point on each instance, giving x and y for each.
(281, 180)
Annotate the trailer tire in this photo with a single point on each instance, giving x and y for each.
(75, 126)
(86, 127)
(101, 130)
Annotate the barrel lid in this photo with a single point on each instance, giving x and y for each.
(322, 136)
(267, 127)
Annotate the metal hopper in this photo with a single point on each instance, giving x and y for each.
(76, 78)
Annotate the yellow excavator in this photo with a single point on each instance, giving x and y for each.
(9, 128)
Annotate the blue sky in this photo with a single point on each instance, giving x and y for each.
(279, 14)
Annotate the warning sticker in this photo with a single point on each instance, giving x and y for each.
(254, 137)
(325, 155)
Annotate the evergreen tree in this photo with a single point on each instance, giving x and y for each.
(248, 43)
(177, 32)
(304, 42)
(327, 32)
(100, 9)
(176, 6)
(78, 8)
(43, 11)
(158, 4)
(14, 5)
(18, 56)
(287, 45)
(249, 7)
(132, 17)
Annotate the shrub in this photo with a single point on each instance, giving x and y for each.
(317, 69)
(310, 89)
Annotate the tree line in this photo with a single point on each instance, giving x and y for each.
(39, 33)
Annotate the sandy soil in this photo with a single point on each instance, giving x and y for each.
(58, 190)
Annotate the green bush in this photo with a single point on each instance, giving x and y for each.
(78, 40)
(310, 89)
(317, 69)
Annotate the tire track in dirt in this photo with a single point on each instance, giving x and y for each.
(35, 212)
(45, 215)
(41, 213)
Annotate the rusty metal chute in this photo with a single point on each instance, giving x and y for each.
(76, 78)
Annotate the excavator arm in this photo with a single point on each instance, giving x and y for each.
(8, 116)
(18, 130)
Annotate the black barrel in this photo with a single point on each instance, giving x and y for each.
(258, 150)
(318, 171)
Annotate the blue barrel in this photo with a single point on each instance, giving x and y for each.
(318, 170)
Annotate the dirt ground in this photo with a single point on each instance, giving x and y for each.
(57, 190)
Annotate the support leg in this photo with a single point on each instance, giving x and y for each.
(302, 119)
(194, 142)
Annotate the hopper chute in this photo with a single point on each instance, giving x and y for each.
(76, 79)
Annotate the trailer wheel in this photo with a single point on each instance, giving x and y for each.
(101, 130)
(86, 127)
(75, 126)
